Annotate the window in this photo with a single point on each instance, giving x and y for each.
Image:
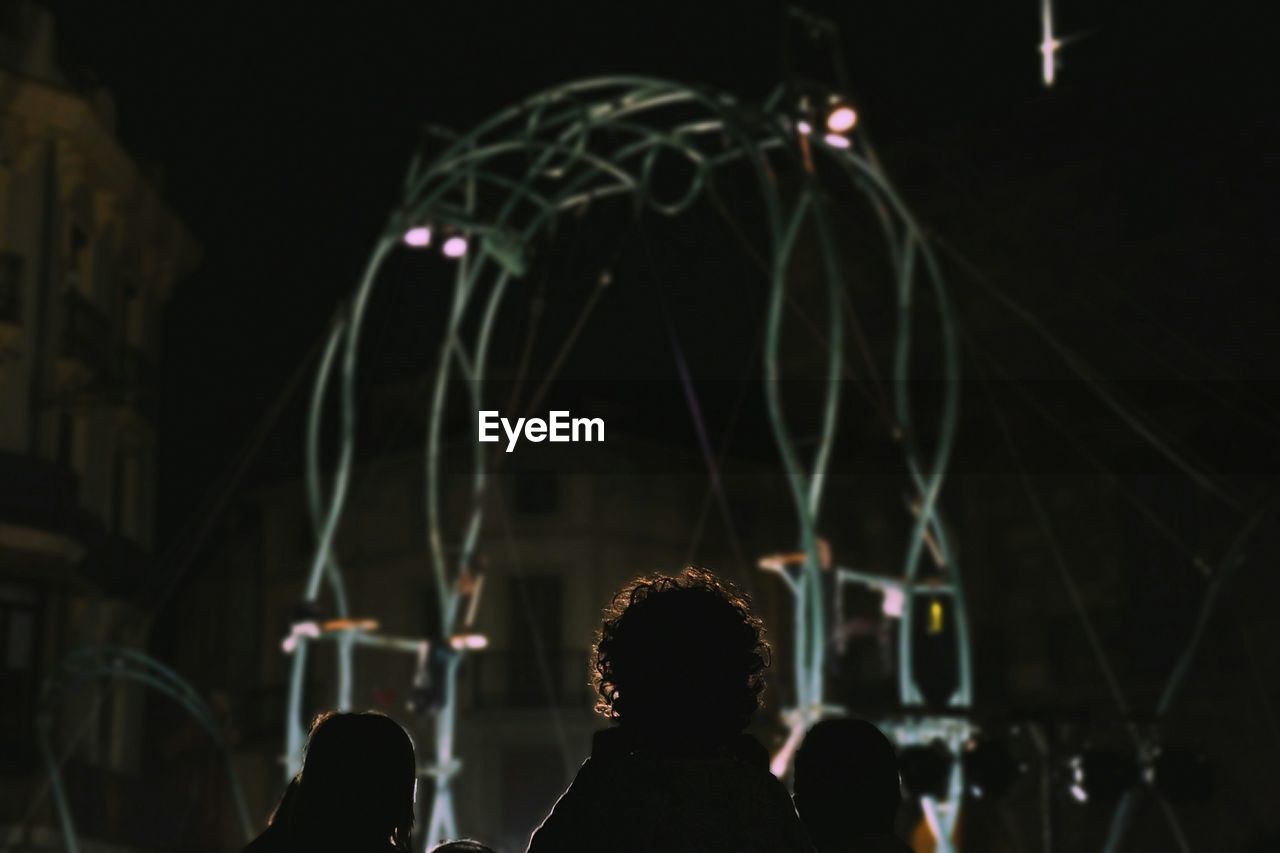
(135, 308)
(69, 441)
(124, 474)
(536, 492)
(19, 671)
(78, 260)
(10, 287)
(535, 607)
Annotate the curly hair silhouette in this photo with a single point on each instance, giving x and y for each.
(680, 654)
(679, 666)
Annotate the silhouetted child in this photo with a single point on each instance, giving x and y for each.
(847, 788)
(355, 791)
(679, 666)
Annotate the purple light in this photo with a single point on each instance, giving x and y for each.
(455, 247)
(841, 119)
(835, 140)
(804, 127)
(419, 237)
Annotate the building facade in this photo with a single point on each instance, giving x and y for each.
(89, 253)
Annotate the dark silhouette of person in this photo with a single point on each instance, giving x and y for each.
(354, 794)
(847, 788)
(678, 665)
(274, 839)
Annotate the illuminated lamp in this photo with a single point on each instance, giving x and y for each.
(418, 238)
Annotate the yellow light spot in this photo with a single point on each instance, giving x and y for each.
(935, 617)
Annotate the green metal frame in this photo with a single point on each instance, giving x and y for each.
(121, 662)
(502, 186)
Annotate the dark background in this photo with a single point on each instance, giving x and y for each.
(1127, 208)
(284, 129)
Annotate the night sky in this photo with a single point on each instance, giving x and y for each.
(283, 130)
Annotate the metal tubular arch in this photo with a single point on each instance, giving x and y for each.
(121, 662)
(580, 143)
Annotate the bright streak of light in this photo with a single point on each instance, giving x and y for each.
(892, 603)
(1048, 44)
(841, 119)
(1078, 794)
(418, 238)
(455, 247)
(835, 140)
(778, 766)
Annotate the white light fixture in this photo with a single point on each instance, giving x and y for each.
(891, 604)
(455, 247)
(1048, 44)
(300, 629)
(470, 642)
(418, 238)
(841, 119)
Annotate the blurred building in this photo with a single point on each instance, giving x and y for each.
(88, 256)
(555, 547)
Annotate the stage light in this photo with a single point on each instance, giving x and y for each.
(989, 768)
(835, 140)
(841, 119)
(470, 642)
(455, 247)
(925, 769)
(299, 629)
(804, 127)
(418, 238)
(891, 603)
(1100, 775)
(1049, 45)
(1180, 775)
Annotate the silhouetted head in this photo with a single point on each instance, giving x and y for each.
(680, 656)
(846, 781)
(356, 787)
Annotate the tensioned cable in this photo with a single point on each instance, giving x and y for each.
(184, 548)
(695, 411)
(964, 262)
(1187, 345)
(539, 646)
(1081, 369)
(1064, 571)
(1139, 505)
(877, 399)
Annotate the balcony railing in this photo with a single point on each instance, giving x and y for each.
(10, 288)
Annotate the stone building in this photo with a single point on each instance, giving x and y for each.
(89, 253)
